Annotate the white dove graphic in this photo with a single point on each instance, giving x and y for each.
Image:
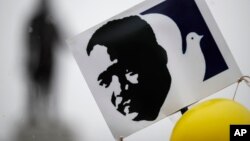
(193, 55)
(187, 70)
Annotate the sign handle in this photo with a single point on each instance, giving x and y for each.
(121, 138)
(183, 110)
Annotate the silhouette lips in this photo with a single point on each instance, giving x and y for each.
(122, 105)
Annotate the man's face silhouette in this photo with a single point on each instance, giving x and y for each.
(120, 83)
(139, 64)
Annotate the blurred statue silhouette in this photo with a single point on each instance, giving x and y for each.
(42, 39)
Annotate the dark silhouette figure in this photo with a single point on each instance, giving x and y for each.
(41, 41)
(42, 37)
(132, 42)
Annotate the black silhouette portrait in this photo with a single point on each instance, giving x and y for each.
(132, 44)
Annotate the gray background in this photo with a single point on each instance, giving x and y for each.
(75, 106)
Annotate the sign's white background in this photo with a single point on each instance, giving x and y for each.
(75, 104)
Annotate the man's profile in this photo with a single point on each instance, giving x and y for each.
(132, 43)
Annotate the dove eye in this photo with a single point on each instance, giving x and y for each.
(192, 38)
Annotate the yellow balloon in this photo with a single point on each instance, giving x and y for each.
(210, 121)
